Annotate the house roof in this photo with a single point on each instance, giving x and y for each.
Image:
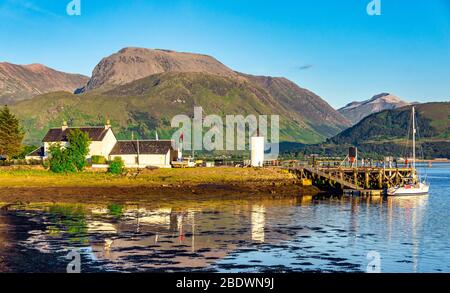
(58, 134)
(39, 152)
(146, 147)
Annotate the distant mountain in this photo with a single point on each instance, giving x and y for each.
(141, 90)
(433, 122)
(386, 132)
(130, 64)
(21, 82)
(356, 111)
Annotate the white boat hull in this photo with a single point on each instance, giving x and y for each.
(421, 189)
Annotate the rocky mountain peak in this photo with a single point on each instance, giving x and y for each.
(356, 111)
(22, 82)
(130, 64)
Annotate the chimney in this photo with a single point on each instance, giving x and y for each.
(108, 124)
(64, 126)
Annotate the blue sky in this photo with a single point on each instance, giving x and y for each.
(332, 47)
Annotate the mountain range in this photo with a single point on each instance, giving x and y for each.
(433, 122)
(140, 90)
(22, 82)
(386, 134)
(356, 111)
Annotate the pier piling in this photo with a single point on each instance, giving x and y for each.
(366, 180)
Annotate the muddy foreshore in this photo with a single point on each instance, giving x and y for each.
(86, 194)
(160, 185)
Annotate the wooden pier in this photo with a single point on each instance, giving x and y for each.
(358, 178)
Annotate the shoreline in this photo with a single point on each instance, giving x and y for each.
(118, 194)
(150, 185)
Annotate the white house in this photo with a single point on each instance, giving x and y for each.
(102, 139)
(155, 153)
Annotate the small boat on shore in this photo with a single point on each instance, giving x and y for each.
(414, 186)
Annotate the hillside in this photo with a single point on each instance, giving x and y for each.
(385, 133)
(174, 83)
(356, 111)
(432, 118)
(320, 115)
(149, 104)
(21, 82)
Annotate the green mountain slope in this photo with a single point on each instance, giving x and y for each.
(432, 122)
(319, 115)
(150, 103)
(385, 134)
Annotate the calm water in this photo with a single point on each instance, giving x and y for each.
(411, 234)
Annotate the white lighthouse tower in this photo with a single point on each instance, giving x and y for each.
(257, 151)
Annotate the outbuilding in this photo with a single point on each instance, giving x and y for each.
(155, 153)
(135, 153)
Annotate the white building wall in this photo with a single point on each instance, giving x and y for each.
(104, 147)
(95, 149)
(108, 143)
(153, 160)
(129, 160)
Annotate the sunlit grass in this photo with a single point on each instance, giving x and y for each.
(43, 178)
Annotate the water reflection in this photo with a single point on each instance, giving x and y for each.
(258, 222)
(298, 234)
(412, 210)
(4, 241)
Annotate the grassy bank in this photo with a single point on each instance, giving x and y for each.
(31, 185)
(28, 177)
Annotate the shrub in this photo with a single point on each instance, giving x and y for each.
(60, 161)
(46, 164)
(98, 160)
(72, 158)
(116, 166)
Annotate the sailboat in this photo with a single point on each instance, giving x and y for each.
(414, 187)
